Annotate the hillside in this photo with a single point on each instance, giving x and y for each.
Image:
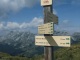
(72, 53)
(5, 56)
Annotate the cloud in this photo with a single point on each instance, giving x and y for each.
(15, 25)
(67, 25)
(62, 2)
(54, 12)
(7, 6)
(1, 25)
(62, 25)
(12, 25)
(65, 21)
(16, 4)
(34, 23)
(75, 2)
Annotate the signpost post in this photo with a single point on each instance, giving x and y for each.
(48, 50)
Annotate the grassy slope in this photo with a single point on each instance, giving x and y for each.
(72, 53)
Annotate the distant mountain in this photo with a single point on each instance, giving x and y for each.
(22, 43)
(19, 43)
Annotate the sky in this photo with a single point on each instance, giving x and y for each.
(28, 14)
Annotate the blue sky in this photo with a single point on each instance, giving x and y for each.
(28, 14)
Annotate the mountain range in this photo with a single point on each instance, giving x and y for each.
(21, 43)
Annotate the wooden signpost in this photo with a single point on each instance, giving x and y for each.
(48, 40)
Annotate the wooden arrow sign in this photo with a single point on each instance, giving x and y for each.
(46, 28)
(50, 17)
(62, 41)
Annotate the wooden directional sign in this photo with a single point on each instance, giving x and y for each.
(46, 2)
(63, 41)
(46, 28)
(50, 17)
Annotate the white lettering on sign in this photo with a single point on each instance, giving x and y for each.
(46, 2)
